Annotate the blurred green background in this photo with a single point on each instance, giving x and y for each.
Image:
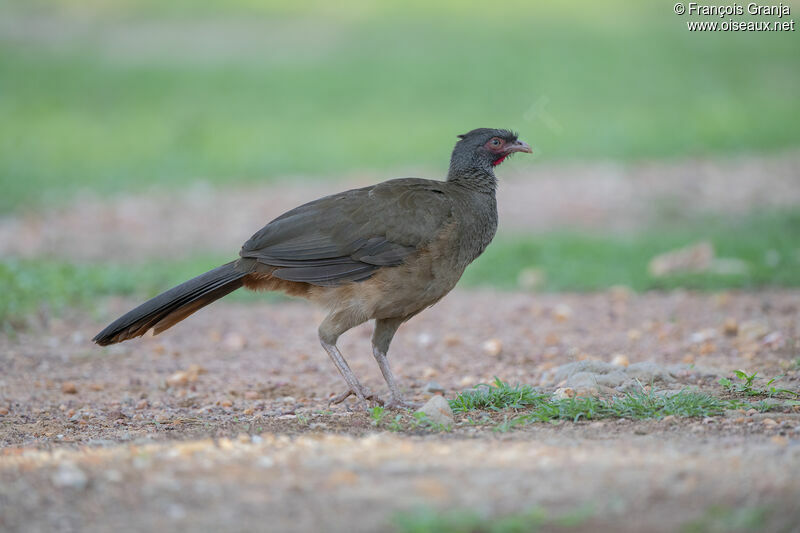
(118, 96)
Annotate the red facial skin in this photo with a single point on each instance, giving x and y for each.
(505, 149)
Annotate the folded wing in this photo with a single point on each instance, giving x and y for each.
(348, 236)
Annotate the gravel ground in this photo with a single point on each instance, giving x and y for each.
(222, 422)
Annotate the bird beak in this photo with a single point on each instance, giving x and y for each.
(520, 146)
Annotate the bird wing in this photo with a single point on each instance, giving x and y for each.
(348, 236)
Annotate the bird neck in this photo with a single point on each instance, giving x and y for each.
(472, 176)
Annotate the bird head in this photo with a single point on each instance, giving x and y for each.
(485, 148)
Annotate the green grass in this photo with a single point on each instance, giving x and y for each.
(369, 88)
(584, 262)
(530, 406)
(427, 520)
(570, 262)
(49, 286)
(497, 396)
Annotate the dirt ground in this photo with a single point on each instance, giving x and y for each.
(223, 423)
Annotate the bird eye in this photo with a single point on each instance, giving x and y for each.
(495, 142)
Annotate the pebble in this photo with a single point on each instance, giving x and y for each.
(730, 327)
(620, 359)
(564, 393)
(178, 379)
(438, 411)
(434, 387)
(493, 347)
(769, 422)
(429, 372)
(452, 340)
(69, 387)
(467, 381)
(3, 411)
(424, 340)
(562, 312)
(141, 404)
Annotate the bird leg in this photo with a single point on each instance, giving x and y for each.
(355, 388)
(329, 331)
(381, 338)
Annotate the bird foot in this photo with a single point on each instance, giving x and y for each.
(398, 402)
(369, 398)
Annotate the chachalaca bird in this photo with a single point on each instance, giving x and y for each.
(383, 252)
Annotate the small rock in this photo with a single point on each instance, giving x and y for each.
(438, 411)
(178, 379)
(226, 403)
(620, 360)
(730, 327)
(434, 387)
(467, 381)
(252, 395)
(563, 393)
(70, 476)
(3, 411)
(116, 414)
(69, 387)
(493, 347)
(451, 340)
(424, 340)
(141, 404)
(769, 422)
(429, 372)
(703, 335)
(184, 377)
(562, 312)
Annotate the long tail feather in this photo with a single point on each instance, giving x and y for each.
(172, 306)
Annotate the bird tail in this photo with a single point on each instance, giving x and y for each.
(172, 306)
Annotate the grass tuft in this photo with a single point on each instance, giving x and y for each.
(539, 407)
(498, 395)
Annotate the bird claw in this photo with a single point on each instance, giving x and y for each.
(369, 398)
